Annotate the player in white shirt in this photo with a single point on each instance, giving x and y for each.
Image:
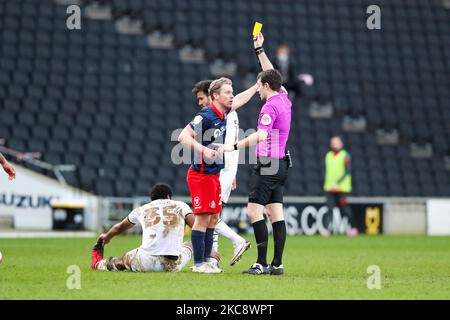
(162, 249)
(228, 174)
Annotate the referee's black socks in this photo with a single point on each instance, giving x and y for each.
(279, 239)
(261, 237)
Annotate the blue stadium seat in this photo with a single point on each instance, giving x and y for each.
(108, 94)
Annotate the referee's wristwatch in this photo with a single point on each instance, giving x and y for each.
(235, 146)
(259, 50)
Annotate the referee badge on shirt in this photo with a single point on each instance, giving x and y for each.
(266, 119)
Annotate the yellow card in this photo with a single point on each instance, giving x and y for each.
(257, 28)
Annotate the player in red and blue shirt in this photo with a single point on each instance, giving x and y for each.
(208, 128)
(210, 125)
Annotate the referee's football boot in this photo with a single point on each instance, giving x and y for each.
(276, 271)
(239, 251)
(257, 269)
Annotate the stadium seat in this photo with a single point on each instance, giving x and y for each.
(110, 96)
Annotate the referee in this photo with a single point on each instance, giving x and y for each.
(270, 173)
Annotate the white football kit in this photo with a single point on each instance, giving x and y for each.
(162, 246)
(228, 173)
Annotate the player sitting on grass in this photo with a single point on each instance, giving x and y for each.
(163, 221)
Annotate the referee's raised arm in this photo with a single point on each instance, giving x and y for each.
(259, 50)
(273, 161)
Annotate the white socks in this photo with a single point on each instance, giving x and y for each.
(215, 241)
(101, 265)
(224, 230)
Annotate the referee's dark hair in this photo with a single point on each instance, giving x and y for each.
(160, 191)
(272, 77)
(201, 86)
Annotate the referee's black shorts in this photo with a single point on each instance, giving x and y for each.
(267, 181)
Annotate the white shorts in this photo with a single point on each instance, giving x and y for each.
(226, 181)
(138, 260)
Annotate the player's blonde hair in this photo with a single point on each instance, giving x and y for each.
(217, 84)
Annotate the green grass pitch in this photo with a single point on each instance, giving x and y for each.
(412, 267)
